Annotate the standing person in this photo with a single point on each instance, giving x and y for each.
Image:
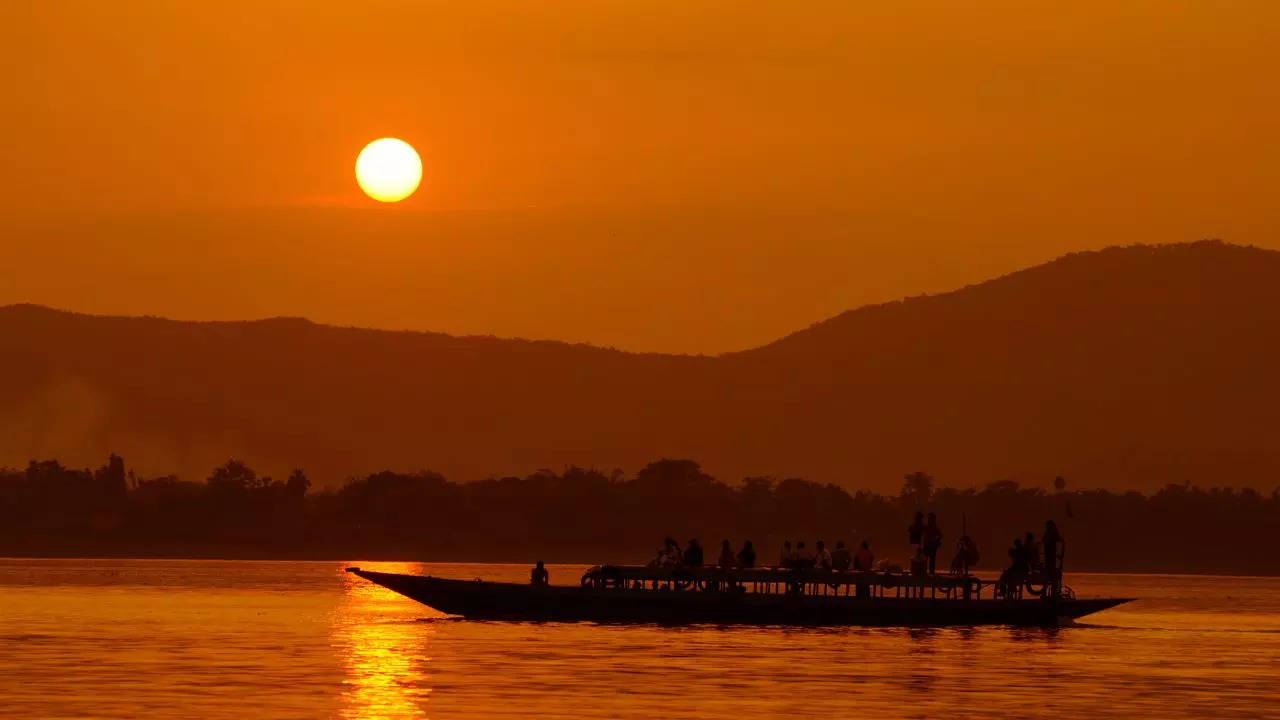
(863, 561)
(1052, 538)
(1018, 557)
(840, 558)
(693, 554)
(822, 556)
(930, 541)
(787, 557)
(915, 531)
(1013, 575)
(966, 555)
(539, 576)
(747, 555)
(1032, 549)
(726, 555)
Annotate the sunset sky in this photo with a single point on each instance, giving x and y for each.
(672, 176)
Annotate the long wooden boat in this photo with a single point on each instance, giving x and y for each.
(619, 594)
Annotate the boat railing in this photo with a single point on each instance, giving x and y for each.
(784, 581)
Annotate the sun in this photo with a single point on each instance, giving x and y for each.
(388, 169)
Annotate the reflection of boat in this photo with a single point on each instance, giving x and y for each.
(781, 597)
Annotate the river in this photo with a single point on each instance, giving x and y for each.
(237, 639)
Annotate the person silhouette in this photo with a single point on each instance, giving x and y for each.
(1032, 551)
(539, 576)
(693, 554)
(726, 555)
(1050, 540)
(930, 541)
(840, 557)
(915, 531)
(822, 556)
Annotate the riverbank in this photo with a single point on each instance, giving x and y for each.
(583, 558)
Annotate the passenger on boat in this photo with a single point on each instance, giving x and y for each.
(840, 558)
(786, 558)
(693, 554)
(1013, 575)
(966, 555)
(864, 560)
(916, 530)
(931, 541)
(747, 555)
(726, 554)
(1052, 538)
(1032, 551)
(540, 576)
(1018, 557)
(668, 556)
(803, 559)
(822, 556)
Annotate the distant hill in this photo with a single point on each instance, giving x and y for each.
(1126, 368)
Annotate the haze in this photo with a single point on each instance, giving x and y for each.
(661, 176)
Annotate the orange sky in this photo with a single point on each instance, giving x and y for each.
(652, 175)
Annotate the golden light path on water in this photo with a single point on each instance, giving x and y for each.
(386, 659)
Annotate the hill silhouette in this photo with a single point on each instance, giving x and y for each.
(1130, 367)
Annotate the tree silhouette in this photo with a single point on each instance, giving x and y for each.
(297, 484)
(235, 475)
(917, 487)
(585, 515)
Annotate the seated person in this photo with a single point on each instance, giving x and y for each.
(787, 558)
(668, 556)
(540, 576)
(803, 560)
(841, 560)
(726, 555)
(865, 560)
(822, 556)
(693, 554)
(747, 555)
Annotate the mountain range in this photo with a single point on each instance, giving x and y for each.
(1125, 368)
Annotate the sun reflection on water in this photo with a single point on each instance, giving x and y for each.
(384, 645)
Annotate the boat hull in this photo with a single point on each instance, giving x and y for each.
(509, 601)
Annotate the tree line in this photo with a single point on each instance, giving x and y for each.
(585, 515)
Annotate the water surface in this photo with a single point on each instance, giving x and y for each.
(236, 639)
